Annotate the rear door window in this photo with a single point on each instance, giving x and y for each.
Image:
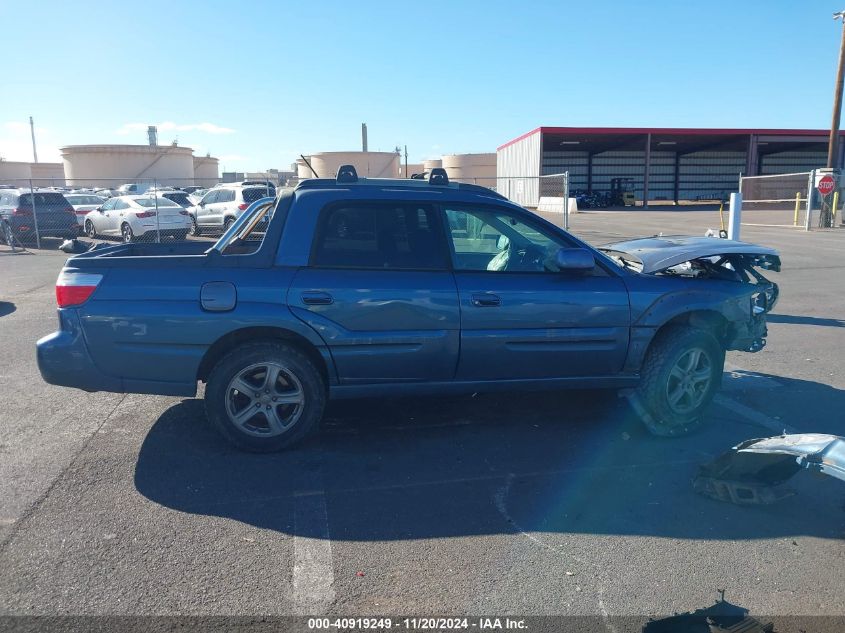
(380, 236)
(225, 195)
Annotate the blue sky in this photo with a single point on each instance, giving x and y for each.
(256, 84)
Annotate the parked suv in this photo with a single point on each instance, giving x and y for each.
(22, 210)
(379, 287)
(222, 205)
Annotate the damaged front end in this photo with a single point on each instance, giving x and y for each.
(755, 471)
(702, 258)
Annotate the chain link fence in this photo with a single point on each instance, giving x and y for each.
(547, 195)
(43, 213)
(792, 200)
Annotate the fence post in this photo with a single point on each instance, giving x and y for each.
(833, 210)
(735, 217)
(566, 200)
(35, 215)
(810, 182)
(158, 217)
(797, 208)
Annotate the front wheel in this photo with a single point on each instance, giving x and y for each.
(90, 231)
(195, 229)
(680, 376)
(126, 233)
(265, 396)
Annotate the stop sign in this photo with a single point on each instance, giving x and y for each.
(826, 185)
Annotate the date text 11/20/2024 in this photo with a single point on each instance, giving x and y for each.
(416, 624)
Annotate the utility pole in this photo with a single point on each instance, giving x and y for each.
(406, 161)
(832, 148)
(32, 130)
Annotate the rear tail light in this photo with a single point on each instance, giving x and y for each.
(145, 214)
(70, 210)
(73, 289)
(183, 212)
(243, 206)
(19, 211)
(83, 211)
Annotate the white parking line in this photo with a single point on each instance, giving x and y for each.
(753, 415)
(313, 572)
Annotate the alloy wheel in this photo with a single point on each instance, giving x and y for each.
(689, 380)
(265, 399)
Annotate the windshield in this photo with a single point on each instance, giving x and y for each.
(153, 202)
(253, 194)
(179, 198)
(77, 199)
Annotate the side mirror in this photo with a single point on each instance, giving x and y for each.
(574, 259)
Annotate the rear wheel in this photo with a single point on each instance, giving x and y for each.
(126, 233)
(180, 236)
(265, 396)
(229, 222)
(680, 376)
(90, 231)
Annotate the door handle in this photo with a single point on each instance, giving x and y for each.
(313, 298)
(486, 300)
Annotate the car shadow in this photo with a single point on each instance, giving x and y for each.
(804, 320)
(394, 469)
(6, 307)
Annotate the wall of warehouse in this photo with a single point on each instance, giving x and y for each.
(518, 169)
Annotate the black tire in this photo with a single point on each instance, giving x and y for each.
(126, 233)
(228, 222)
(255, 433)
(668, 369)
(195, 229)
(180, 236)
(90, 231)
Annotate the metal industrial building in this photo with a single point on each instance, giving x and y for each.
(671, 164)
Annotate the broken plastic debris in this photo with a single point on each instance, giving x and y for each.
(360, 574)
(754, 471)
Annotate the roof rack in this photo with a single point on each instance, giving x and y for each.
(438, 176)
(346, 173)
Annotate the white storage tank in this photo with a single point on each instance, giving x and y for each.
(206, 171)
(19, 174)
(367, 164)
(112, 165)
(473, 168)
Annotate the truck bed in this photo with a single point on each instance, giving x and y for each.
(143, 255)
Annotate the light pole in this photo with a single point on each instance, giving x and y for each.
(837, 98)
(32, 131)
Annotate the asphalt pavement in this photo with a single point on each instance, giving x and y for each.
(524, 504)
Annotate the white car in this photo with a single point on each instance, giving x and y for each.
(83, 204)
(223, 204)
(138, 217)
